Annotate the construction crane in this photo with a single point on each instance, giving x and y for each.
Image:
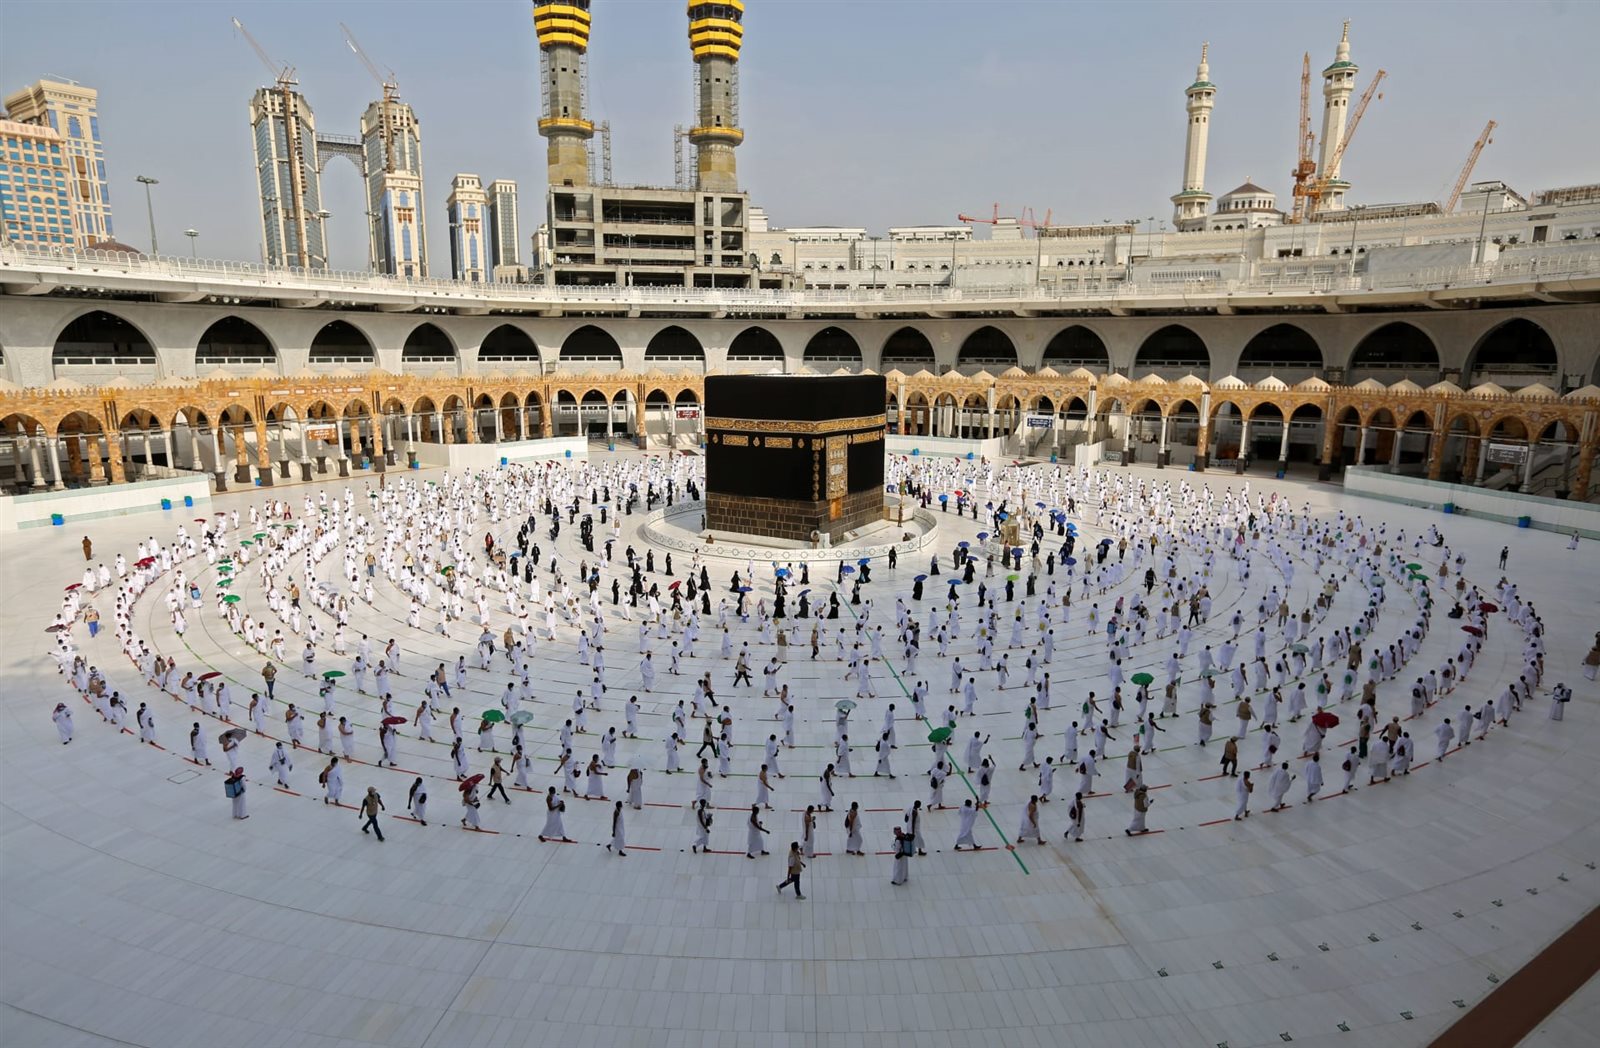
(294, 143)
(1466, 169)
(1321, 184)
(994, 219)
(1305, 166)
(1029, 222)
(391, 97)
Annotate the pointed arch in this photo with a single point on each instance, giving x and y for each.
(1077, 347)
(1514, 352)
(427, 348)
(340, 342)
(510, 345)
(833, 347)
(1173, 349)
(591, 345)
(1396, 346)
(233, 342)
(909, 350)
(989, 348)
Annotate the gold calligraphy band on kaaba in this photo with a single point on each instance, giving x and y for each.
(794, 426)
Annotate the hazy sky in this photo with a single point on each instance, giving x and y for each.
(871, 113)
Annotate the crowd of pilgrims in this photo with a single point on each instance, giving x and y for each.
(1172, 541)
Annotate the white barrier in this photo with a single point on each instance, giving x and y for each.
(76, 505)
(487, 456)
(1507, 507)
(953, 447)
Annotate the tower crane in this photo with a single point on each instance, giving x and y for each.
(993, 219)
(1304, 167)
(294, 144)
(391, 97)
(1349, 133)
(1466, 169)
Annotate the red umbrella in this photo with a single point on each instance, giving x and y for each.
(469, 783)
(401, 720)
(1488, 606)
(75, 585)
(208, 676)
(55, 628)
(236, 734)
(201, 520)
(675, 584)
(1324, 719)
(145, 563)
(1474, 630)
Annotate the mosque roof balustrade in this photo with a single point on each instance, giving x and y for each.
(36, 271)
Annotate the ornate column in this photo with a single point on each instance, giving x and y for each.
(114, 469)
(1580, 480)
(55, 464)
(74, 456)
(1394, 450)
(1161, 455)
(1483, 459)
(640, 433)
(32, 443)
(1244, 436)
(219, 449)
(1361, 446)
(1527, 466)
(263, 454)
(1283, 445)
(241, 449)
(380, 458)
(473, 422)
(305, 451)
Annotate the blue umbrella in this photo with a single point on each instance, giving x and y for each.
(1016, 551)
(944, 498)
(1002, 517)
(863, 561)
(952, 582)
(802, 593)
(783, 573)
(1069, 561)
(1039, 505)
(920, 578)
(983, 536)
(744, 589)
(848, 570)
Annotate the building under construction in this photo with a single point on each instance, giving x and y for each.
(695, 234)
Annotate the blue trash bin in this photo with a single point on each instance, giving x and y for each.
(57, 520)
(1524, 522)
(166, 503)
(188, 501)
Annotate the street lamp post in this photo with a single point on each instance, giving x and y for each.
(150, 209)
(193, 235)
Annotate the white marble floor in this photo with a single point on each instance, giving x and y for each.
(137, 912)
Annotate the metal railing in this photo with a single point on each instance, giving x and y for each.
(94, 267)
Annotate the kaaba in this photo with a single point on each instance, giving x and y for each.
(794, 457)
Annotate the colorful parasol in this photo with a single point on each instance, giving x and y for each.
(468, 783)
(392, 721)
(332, 674)
(1142, 678)
(939, 735)
(211, 675)
(1325, 719)
(493, 716)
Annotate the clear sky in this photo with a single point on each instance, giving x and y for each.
(872, 113)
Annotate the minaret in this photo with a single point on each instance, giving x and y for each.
(1338, 84)
(563, 30)
(1189, 206)
(715, 36)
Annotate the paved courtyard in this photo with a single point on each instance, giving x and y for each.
(136, 911)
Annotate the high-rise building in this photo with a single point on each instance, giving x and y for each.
(284, 130)
(505, 252)
(1338, 84)
(468, 205)
(392, 141)
(716, 33)
(36, 207)
(72, 111)
(562, 27)
(1189, 204)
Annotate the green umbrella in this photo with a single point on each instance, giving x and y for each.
(224, 583)
(331, 674)
(1414, 567)
(1142, 678)
(259, 535)
(232, 598)
(246, 542)
(225, 568)
(1299, 649)
(521, 717)
(845, 705)
(938, 735)
(1210, 671)
(494, 716)
(1012, 578)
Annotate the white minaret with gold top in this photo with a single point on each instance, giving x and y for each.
(1338, 84)
(1189, 205)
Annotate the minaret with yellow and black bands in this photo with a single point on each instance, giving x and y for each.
(563, 30)
(716, 32)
